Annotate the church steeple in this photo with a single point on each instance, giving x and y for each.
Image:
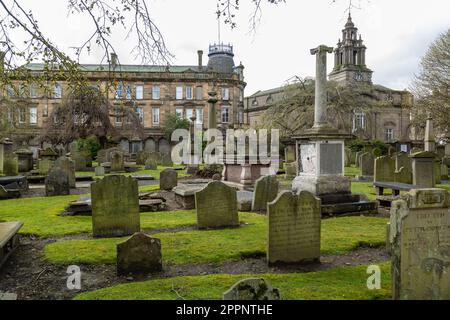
(350, 57)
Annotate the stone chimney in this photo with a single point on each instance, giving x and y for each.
(113, 60)
(200, 59)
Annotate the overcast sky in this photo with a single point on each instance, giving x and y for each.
(397, 34)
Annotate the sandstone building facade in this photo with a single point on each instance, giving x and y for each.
(389, 123)
(153, 91)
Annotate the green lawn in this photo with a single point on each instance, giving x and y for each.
(347, 283)
(352, 171)
(338, 236)
(40, 216)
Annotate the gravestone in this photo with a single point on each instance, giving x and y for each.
(419, 239)
(44, 166)
(216, 206)
(48, 154)
(348, 157)
(25, 159)
(384, 169)
(266, 190)
(151, 164)
(140, 254)
(244, 200)
(57, 183)
(403, 176)
(252, 289)
(68, 166)
(2, 151)
(102, 156)
(168, 179)
(117, 162)
(423, 168)
(357, 157)
(437, 172)
(166, 160)
(80, 160)
(141, 158)
(10, 164)
(115, 207)
(291, 170)
(444, 172)
(402, 160)
(367, 164)
(99, 171)
(294, 228)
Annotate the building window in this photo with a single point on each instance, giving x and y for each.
(33, 91)
(11, 91)
(199, 115)
(189, 114)
(129, 92)
(140, 113)
(225, 114)
(156, 93)
(118, 116)
(33, 115)
(389, 135)
(225, 94)
(359, 121)
(139, 92)
(179, 112)
(156, 115)
(179, 93)
(255, 103)
(199, 93)
(119, 91)
(22, 115)
(189, 93)
(57, 92)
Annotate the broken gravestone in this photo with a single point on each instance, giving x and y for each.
(140, 254)
(252, 289)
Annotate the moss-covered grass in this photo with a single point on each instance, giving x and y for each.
(41, 217)
(352, 171)
(190, 247)
(346, 283)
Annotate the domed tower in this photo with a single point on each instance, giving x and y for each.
(350, 57)
(221, 58)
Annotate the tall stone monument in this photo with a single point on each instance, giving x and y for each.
(430, 143)
(321, 154)
(419, 239)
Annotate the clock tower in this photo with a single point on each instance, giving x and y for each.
(350, 58)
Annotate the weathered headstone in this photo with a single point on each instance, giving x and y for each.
(166, 160)
(44, 166)
(117, 162)
(2, 151)
(294, 228)
(266, 190)
(444, 172)
(25, 159)
(437, 171)
(420, 245)
(99, 171)
(423, 165)
(102, 156)
(10, 164)
(367, 164)
(151, 164)
(244, 200)
(216, 206)
(168, 179)
(141, 158)
(57, 183)
(48, 154)
(402, 160)
(115, 207)
(80, 160)
(252, 289)
(68, 166)
(291, 170)
(384, 169)
(404, 175)
(140, 254)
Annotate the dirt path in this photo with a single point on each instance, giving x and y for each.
(32, 279)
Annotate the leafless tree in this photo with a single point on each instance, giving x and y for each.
(432, 87)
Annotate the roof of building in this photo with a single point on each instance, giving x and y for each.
(125, 68)
(267, 92)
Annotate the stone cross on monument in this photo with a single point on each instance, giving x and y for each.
(430, 143)
(320, 108)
